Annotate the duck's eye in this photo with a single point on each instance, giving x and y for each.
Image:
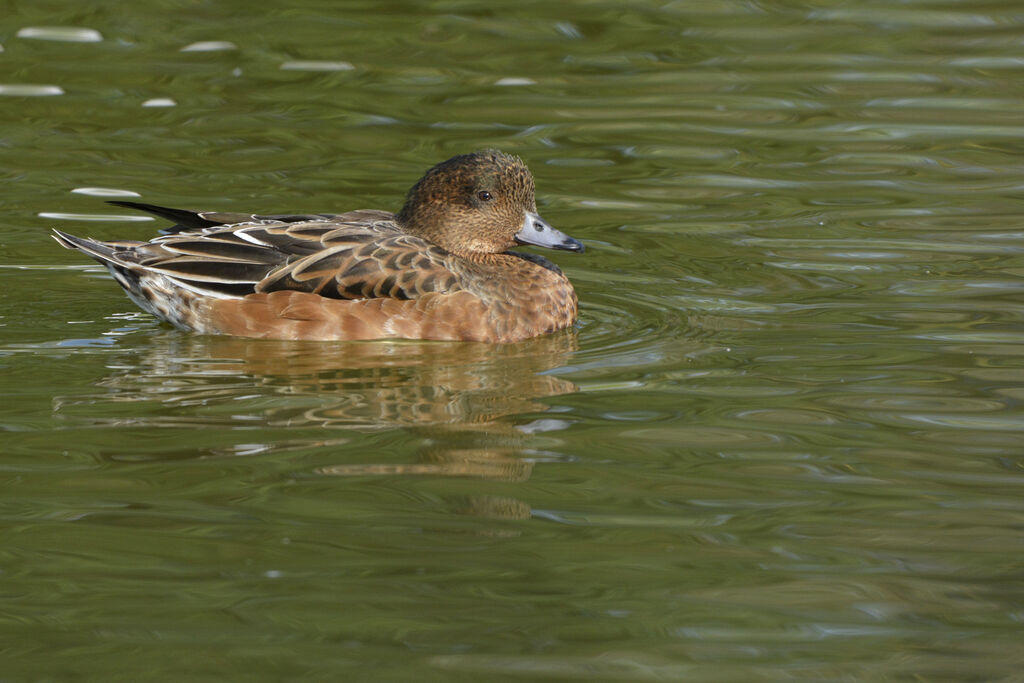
(484, 196)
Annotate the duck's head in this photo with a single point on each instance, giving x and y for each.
(479, 203)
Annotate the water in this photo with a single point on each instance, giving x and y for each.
(784, 442)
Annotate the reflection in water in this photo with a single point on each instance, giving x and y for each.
(453, 396)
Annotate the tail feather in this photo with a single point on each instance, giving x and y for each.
(183, 218)
(103, 253)
(126, 274)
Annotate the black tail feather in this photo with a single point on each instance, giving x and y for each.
(184, 220)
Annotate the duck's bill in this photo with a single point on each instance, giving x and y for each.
(537, 232)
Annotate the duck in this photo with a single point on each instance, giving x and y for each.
(441, 268)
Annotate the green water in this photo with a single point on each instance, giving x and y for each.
(785, 442)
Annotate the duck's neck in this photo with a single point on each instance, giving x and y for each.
(420, 228)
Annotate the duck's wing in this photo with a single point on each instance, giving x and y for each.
(361, 263)
(356, 255)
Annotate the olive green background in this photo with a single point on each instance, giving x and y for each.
(785, 442)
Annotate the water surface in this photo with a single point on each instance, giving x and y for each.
(783, 443)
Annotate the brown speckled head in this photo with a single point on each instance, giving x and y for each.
(471, 204)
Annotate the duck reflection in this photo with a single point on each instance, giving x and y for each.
(457, 397)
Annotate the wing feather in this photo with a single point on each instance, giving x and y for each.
(367, 266)
(356, 255)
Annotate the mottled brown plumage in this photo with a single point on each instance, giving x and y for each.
(438, 269)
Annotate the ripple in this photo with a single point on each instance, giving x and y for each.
(96, 217)
(886, 245)
(618, 332)
(314, 65)
(209, 46)
(916, 16)
(514, 80)
(68, 34)
(104, 192)
(25, 90)
(942, 404)
(703, 437)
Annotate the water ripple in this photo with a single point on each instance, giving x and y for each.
(785, 436)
